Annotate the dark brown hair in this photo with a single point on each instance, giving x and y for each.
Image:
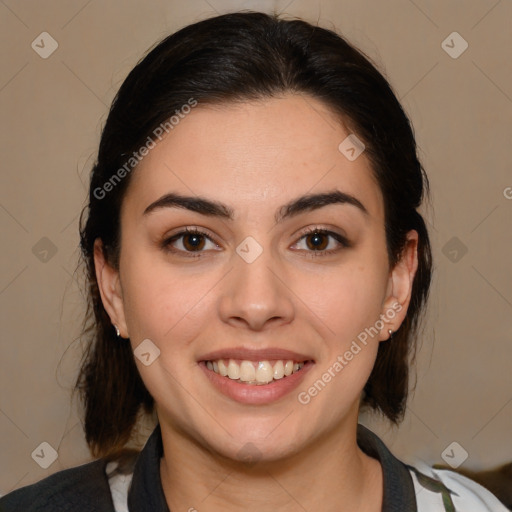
(241, 57)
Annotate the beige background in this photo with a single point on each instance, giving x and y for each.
(52, 111)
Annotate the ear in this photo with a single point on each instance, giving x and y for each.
(110, 289)
(399, 291)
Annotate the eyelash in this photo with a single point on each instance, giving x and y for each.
(345, 244)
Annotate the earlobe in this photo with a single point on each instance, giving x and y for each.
(110, 289)
(400, 286)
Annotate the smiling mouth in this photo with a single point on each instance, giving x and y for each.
(255, 372)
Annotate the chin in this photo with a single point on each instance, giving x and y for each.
(249, 448)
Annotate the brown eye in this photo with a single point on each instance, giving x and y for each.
(193, 241)
(317, 241)
(322, 242)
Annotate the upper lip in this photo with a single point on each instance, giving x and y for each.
(255, 354)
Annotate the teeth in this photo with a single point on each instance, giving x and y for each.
(222, 368)
(264, 373)
(233, 370)
(249, 372)
(279, 370)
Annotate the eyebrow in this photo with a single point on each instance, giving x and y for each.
(308, 202)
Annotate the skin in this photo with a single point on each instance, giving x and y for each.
(255, 157)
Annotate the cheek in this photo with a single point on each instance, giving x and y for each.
(170, 308)
(347, 299)
(163, 303)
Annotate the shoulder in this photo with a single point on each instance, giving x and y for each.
(443, 489)
(83, 488)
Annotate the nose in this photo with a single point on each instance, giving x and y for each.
(255, 295)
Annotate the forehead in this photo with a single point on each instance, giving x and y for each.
(254, 155)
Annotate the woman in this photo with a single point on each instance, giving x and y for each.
(257, 270)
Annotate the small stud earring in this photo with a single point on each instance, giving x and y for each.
(390, 332)
(118, 332)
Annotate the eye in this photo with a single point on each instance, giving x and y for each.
(190, 240)
(321, 241)
(316, 241)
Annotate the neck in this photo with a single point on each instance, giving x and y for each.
(332, 475)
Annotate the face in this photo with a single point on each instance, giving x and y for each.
(250, 240)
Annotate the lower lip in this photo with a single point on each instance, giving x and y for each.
(256, 394)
